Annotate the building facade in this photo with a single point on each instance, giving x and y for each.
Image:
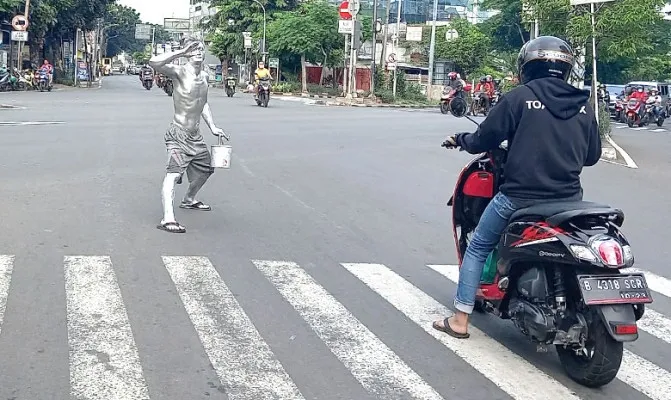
(198, 12)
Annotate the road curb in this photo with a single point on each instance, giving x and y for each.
(369, 105)
(630, 163)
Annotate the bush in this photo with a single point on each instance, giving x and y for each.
(604, 121)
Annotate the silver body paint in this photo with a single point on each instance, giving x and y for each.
(183, 139)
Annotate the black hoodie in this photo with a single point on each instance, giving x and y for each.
(552, 134)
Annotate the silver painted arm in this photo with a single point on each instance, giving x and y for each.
(161, 62)
(207, 116)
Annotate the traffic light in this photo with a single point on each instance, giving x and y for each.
(358, 35)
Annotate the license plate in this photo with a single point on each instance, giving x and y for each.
(619, 289)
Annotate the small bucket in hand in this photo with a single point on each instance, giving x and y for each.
(221, 154)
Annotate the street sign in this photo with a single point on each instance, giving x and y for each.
(20, 23)
(247, 36)
(413, 34)
(354, 6)
(19, 36)
(391, 58)
(274, 62)
(143, 31)
(345, 26)
(343, 10)
(451, 34)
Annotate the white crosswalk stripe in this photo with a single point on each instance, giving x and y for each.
(243, 361)
(106, 363)
(372, 363)
(99, 334)
(6, 267)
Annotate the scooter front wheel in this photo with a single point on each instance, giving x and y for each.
(444, 108)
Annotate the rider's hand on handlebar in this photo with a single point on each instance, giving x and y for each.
(450, 142)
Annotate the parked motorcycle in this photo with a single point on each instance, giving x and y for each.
(263, 92)
(556, 273)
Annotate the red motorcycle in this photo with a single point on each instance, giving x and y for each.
(632, 114)
(555, 272)
(449, 94)
(619, 113)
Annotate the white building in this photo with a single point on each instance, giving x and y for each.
(198, 10)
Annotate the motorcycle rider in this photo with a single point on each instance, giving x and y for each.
(656, 100)
(144, 68)
(543, 164)
(260, 73)
(485, 85)
(46, 66)
(641, 96)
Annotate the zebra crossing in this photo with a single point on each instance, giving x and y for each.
(651, 128)
(101, 339)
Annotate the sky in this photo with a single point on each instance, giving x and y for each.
(153, 11)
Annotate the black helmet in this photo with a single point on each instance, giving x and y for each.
(483, 79)
(545, 57)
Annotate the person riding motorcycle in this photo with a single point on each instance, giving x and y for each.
(656, 100)
(260, 73)
(552, 134)
(49, 69)
(455, 82)
(485, 85)
(144, 68)
(641, 96)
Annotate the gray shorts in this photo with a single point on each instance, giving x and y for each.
(187, 151)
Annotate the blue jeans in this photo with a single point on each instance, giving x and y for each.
(485, 238)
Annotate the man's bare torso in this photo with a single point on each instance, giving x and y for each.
(189, 98)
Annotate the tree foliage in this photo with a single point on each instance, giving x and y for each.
(468, 51)
(120, 22)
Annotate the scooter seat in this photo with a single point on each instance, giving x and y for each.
(557, 213)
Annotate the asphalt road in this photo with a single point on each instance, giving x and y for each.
(309, 279)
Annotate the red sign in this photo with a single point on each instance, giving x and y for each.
(344, 10)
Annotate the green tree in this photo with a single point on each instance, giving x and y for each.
(311, 31)
(120, 33)
(233, 17)
(9, 5)
(469, 51)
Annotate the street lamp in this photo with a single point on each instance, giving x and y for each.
(264, 28)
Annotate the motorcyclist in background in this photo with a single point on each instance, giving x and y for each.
(260, 73)
(641, 96)
(552, 134)
(656, 100)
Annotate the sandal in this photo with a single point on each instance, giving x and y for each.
(195, 206)
(172, 227)
(447, 329)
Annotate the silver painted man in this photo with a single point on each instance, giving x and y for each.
(187, 151)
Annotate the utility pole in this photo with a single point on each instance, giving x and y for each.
(432, 50)
(372, 63)
(396, 40)
(594, 79)
(26, 14)
(383, 55)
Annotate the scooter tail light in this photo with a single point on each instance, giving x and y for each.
(610, 251)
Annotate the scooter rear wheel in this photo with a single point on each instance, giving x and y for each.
(601, 365)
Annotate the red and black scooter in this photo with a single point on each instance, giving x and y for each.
(556, 272)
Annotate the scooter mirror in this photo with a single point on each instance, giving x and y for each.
(458, 107)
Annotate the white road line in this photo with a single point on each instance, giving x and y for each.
(627, 158)
(243, 361)
(652, 322)
(635, 371)
(6, 268)
(644, 376)
(657, 283)
(510, 372)
(640, 128)
(659, 130)
(621, 127)
(104, 361)
(379, 370)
